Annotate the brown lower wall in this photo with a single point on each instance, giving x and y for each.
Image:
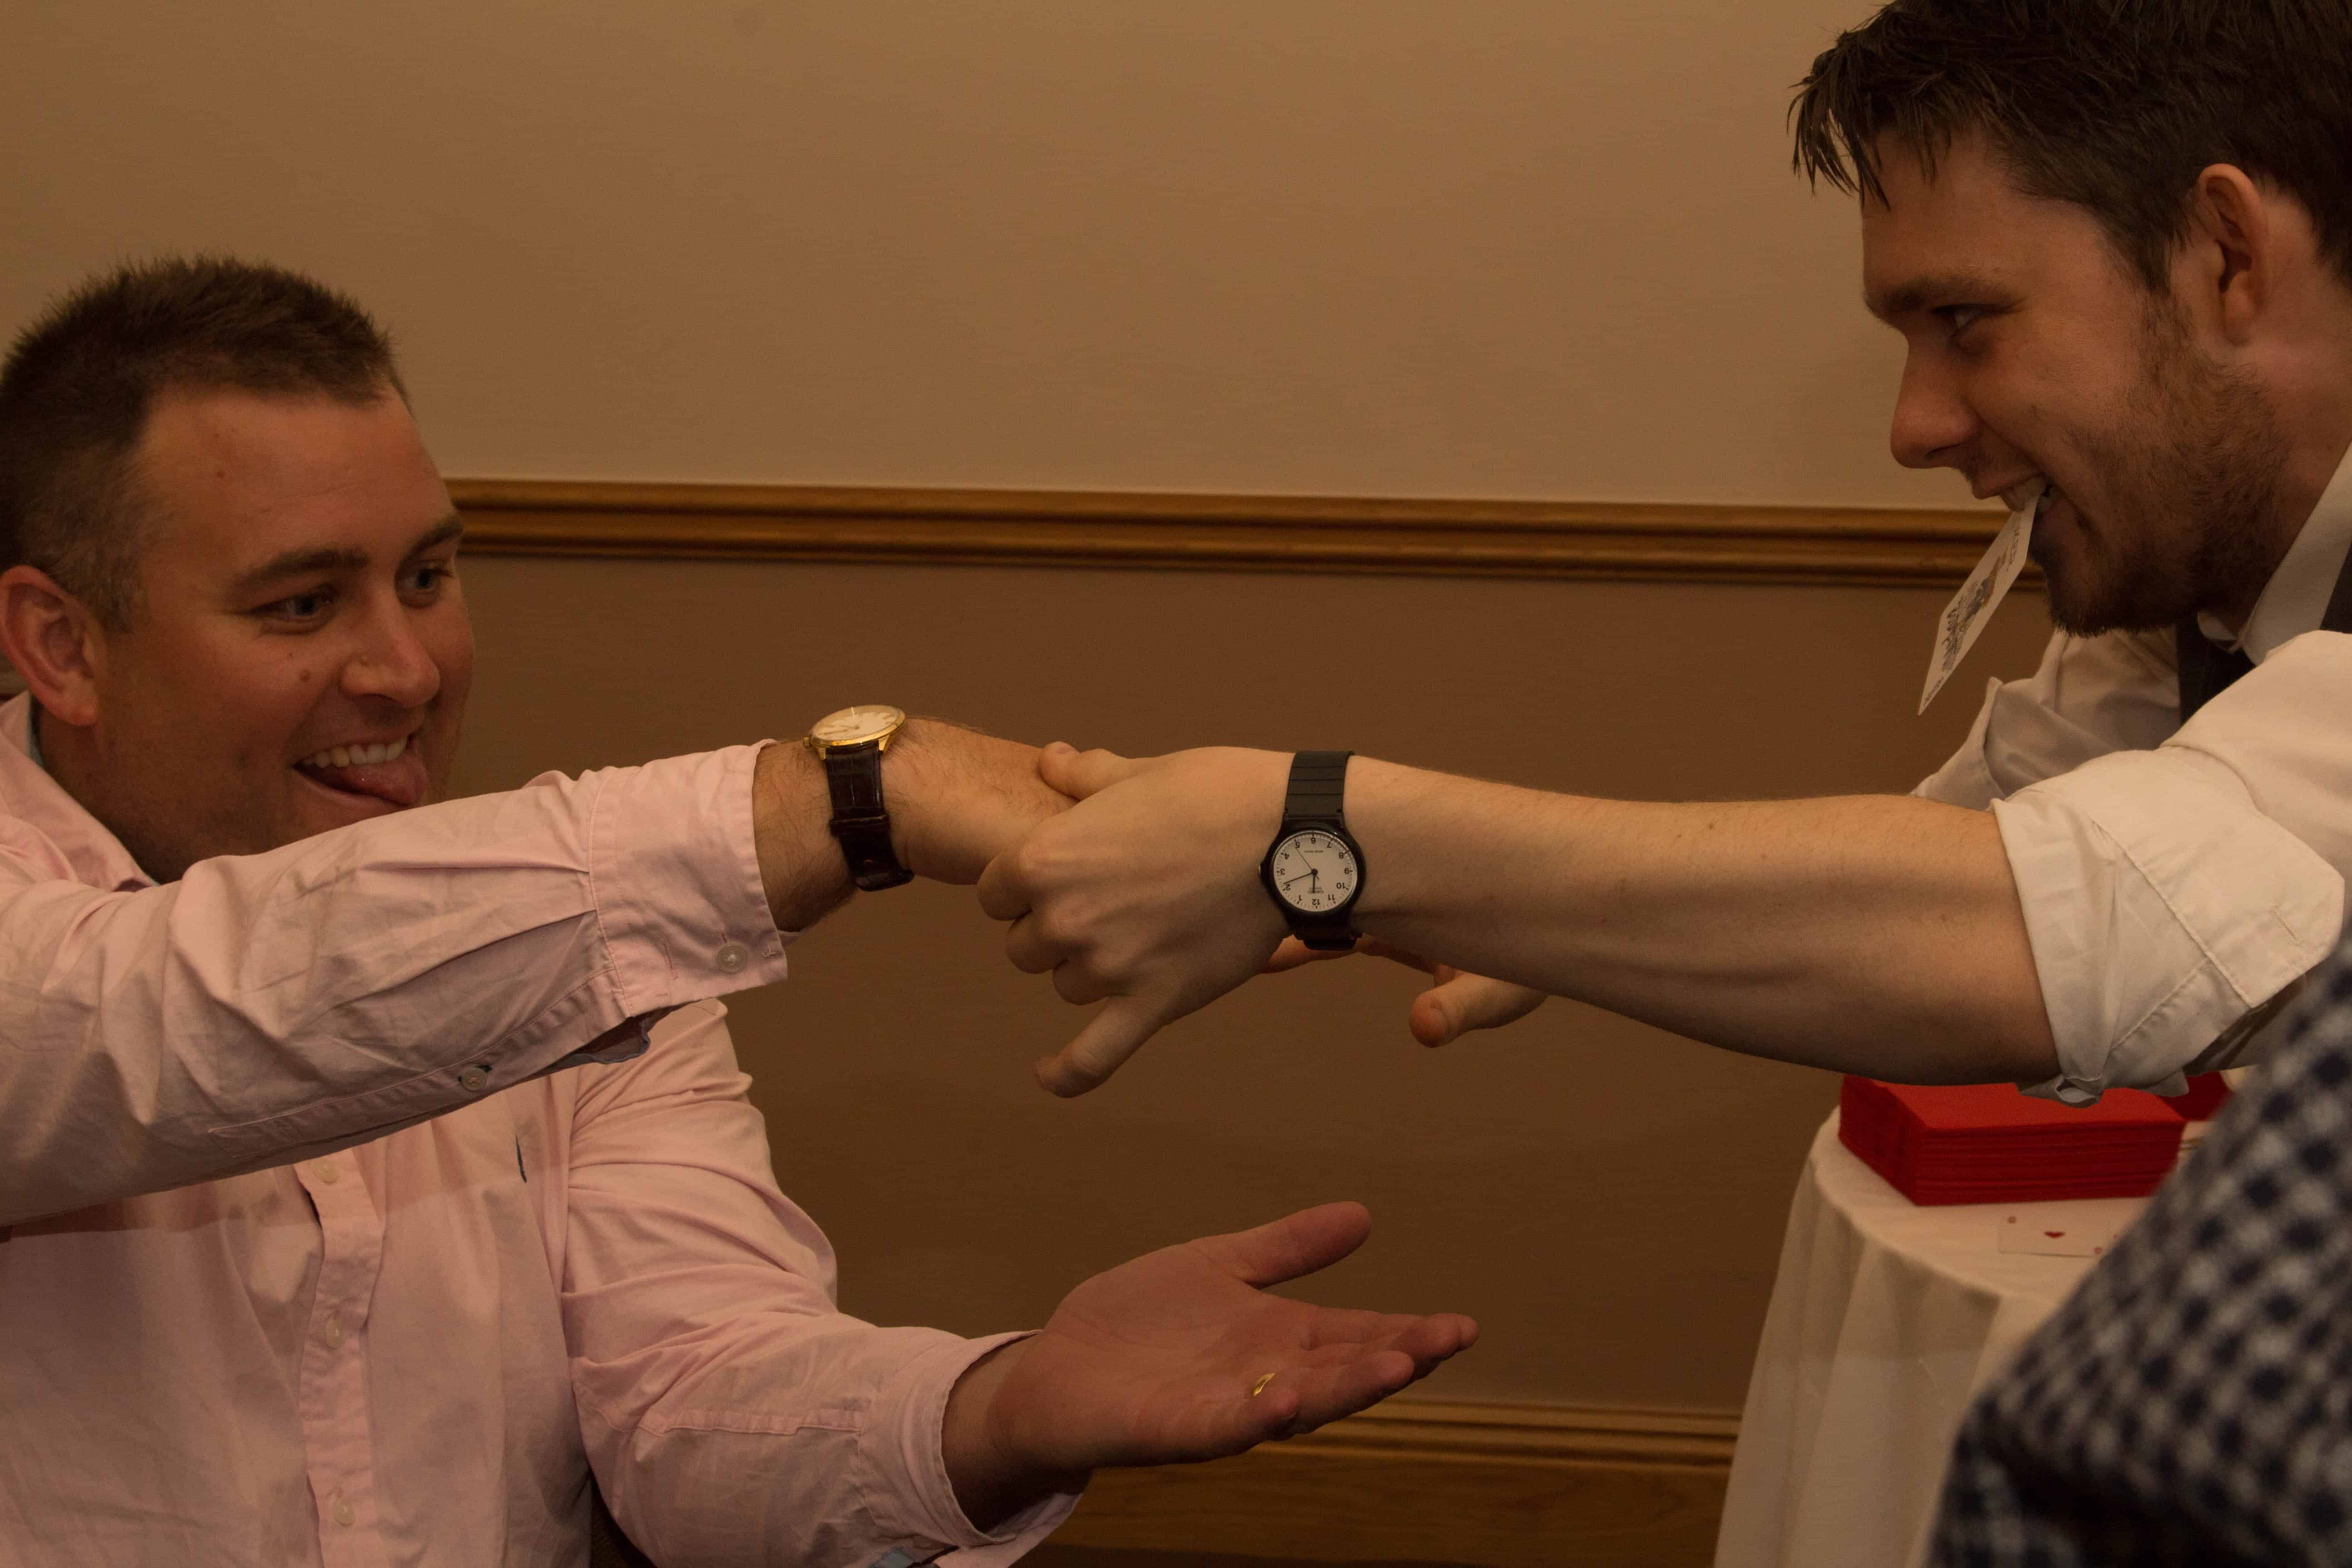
(1606, 1198)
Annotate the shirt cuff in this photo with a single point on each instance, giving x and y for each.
(905, 1438)
(2161, 907)
(674, 873)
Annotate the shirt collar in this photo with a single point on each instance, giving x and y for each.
(2294, 600)
(28, 793)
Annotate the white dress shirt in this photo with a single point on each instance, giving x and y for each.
(2178, 880)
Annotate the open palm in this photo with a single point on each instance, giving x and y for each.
(1168, 1358)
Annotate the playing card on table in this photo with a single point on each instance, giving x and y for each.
(1973, 606)
(2085, 1228)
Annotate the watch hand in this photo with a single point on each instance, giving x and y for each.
(1300, 878)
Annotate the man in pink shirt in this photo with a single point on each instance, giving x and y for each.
(375, 1167)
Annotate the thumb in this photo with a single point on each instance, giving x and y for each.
(1293, 1246)
(1461, 1002)
(1081, 773)
(1114, 1034)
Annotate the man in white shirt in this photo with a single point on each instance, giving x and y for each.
(2117, 243)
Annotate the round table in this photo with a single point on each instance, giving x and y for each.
(1885, 1317)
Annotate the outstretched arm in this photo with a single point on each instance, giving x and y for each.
(177, 1034)
(1871, 935)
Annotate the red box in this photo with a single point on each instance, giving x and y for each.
(1990, 1143)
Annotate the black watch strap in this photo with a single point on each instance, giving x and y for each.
(853, 775)
(1317, 798)
(1318, 788)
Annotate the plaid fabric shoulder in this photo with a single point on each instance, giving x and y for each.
(2192, 1400)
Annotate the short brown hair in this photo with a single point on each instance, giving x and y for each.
(2113, 105)
(78, 387)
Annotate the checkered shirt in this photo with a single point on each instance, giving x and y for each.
(2192, 1403)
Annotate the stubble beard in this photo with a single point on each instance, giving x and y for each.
(2194, 466)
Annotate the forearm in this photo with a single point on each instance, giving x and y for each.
(1874, 934)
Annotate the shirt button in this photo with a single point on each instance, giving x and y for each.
(328, 1175)
(473, 1080)
(344, 1513)
(332, 1333)
(733, 957)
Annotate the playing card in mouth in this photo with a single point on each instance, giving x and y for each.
(1973, 606)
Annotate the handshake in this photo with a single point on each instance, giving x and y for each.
(1137, 883)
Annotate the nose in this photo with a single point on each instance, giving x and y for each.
(392, 661)
(1934, 426)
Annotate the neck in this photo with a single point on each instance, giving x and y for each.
(68, 755)
(2309, 390)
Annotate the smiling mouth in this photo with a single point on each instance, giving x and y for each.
(354, 756)
(389, 770)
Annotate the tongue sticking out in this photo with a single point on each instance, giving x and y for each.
(400, 782)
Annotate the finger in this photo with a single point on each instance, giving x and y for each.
(1075, 983)
(1081, 773)
(1030, 953)
(1448, 1011)
(1326, 1394)
(1110, 1037)
(1339, 1333)
(1293, 1246)
(1329, 1391)
(1005, 892)
(1294, 954)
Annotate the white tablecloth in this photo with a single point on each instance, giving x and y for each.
(1885, 1318)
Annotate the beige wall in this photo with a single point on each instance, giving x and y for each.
(1522, 247)
(1517, 247)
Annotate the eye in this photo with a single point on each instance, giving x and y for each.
(302, 610)
(424, 581)
(1961, 318)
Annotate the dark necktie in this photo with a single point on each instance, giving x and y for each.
(2206, 668)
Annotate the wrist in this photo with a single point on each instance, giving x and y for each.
(910, 789)
(992, 1478)
(802, 868)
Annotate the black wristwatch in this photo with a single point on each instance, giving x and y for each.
(850, 745)
(1315, 869)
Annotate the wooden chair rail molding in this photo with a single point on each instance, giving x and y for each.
(1842, 545)
(1497, 1484)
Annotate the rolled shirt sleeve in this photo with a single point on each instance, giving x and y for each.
(2172, 894)
(266, 1008)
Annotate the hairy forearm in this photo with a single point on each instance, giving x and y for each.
(1874, 934)
(801, 870)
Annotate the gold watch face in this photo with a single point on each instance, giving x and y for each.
(852, 726)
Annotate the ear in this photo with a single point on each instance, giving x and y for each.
(56, 644)
(2237, 251)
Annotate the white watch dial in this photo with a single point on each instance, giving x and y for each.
(868, 721)
(1314, 872)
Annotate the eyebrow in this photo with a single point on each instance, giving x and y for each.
(1911, 298)
(331, 558)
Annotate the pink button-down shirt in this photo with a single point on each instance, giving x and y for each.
(307, 1257)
